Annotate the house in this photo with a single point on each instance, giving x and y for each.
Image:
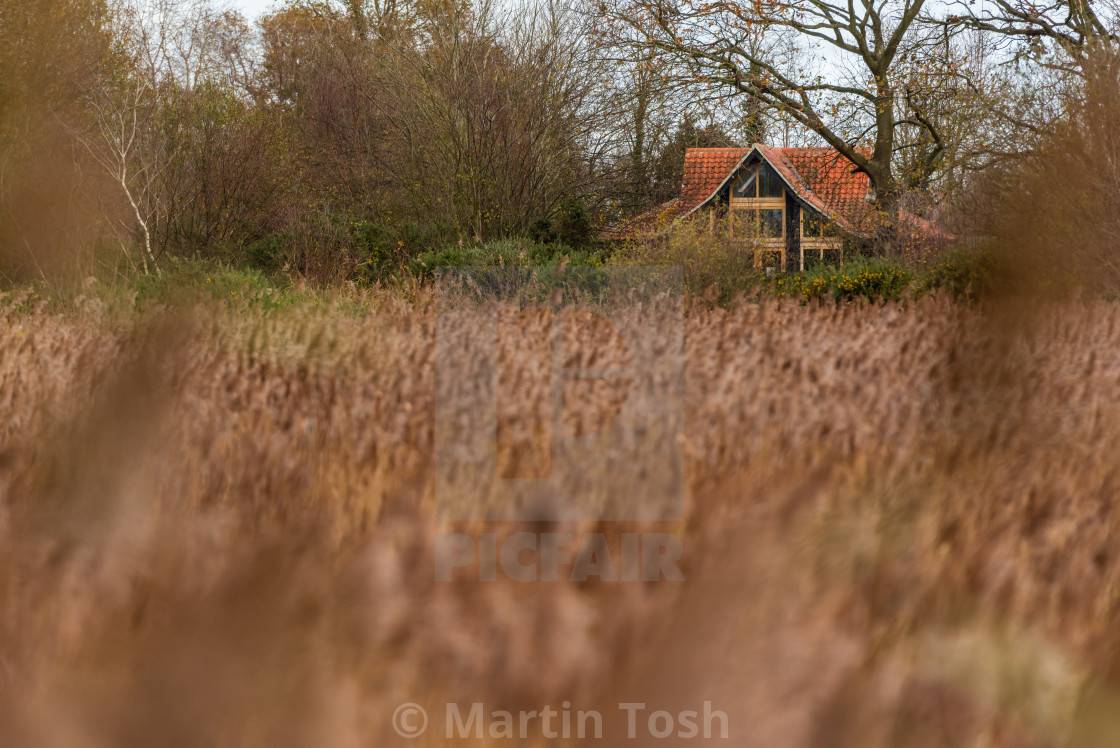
(794, 204)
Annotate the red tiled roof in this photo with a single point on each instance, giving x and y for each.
(705, 169)
(821, 177)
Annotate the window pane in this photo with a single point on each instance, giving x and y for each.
(770, 223)
(769, 185)
(812, 222)
(745, 186)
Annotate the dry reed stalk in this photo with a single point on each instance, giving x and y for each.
(217, 529)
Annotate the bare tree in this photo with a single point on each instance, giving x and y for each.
(860, 93)
(179, 77)
(491, 114)
(1064, 34)
(120, 143)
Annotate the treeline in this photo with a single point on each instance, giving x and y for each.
(336, 140)
(340, 139)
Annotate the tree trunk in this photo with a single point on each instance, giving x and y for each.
(637, 154)
(881, 173)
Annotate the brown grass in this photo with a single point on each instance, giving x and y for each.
(217, 530)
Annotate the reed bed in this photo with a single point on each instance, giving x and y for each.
(216, 528)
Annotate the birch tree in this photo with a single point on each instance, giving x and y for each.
(120, 143)
(147, 101)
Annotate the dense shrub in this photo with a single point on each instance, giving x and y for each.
(570, 226)
(342, 248)
(269, 253)
(183, 277)
(719, 269)
(710, 264)
(541, 231)
(862, 278)
(504, 253)
(573, 225)
(963, 274)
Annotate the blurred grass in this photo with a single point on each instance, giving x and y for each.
(216, 519)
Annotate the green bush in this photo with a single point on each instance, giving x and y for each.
(542, 232)
(269, 253)
(376, 244)
(503, 253)
(381, 247)
(182, 279)
(719, 269)
(330, 244)
(518, 268)
(415, 238)
(573, 225)
(862, 278)
(965, 274)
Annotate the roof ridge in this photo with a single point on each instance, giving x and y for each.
(765, 145)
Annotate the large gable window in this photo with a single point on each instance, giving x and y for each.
(747, 186)
(758, 181)
(758, 203)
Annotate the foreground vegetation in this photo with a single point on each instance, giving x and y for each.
(216, 520)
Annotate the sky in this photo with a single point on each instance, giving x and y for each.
(252, 8)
